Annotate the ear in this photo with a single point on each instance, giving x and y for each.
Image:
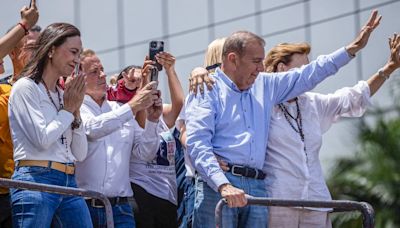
(281, 67)
(51, 52)
(232, 59)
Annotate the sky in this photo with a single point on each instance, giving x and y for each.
(119, 31)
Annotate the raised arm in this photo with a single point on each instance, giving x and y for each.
(104, 124)
(393, 63)
(171, 112)
(29, 17)
(293, 83)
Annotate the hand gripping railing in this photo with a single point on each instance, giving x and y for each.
(61, 190)
(339, 205)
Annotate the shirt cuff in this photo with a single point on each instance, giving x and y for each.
(341, 57)
(65, 116)
(217, 180)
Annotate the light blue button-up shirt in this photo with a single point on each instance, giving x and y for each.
(234, 124)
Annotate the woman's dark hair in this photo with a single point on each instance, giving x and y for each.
(53, 35)
(127, 69)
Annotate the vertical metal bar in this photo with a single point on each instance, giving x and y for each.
(4, 182)
(368, 215)
(165, 19)
(211, 20)
(218, 213)
(77, 13)
(257, 19)
(307, 20)
(121, 33)
(165, 31)
(357, 27)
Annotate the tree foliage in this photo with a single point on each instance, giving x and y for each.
(372, 175)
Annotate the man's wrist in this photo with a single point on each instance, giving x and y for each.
(222, 186)
(352, 50)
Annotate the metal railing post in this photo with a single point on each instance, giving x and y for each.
(344, 205)
(62, 190)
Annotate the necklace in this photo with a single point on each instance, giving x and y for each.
(62, 138)
(298, 120)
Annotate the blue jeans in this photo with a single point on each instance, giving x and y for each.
(188, 203)
(249, 216)
(122, 214)
(40, 209)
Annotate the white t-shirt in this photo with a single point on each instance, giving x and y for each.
(158, 176)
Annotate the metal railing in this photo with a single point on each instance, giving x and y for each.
(61, 190)
(338, 205)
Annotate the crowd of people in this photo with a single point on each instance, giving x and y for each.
(248, 126)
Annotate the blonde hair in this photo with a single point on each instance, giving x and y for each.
(282, 53)
(214, 52)
(87, 53)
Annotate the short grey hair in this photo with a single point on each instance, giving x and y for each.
(238, 41)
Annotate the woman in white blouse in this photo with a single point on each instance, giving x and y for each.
(292, 165)
(46, 131)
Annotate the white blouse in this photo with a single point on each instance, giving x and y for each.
(293, 173)
(38, 130)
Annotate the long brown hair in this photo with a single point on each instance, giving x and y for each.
(53, 35)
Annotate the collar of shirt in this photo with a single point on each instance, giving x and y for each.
(228, 81)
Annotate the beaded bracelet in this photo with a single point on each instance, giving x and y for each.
(24, 27)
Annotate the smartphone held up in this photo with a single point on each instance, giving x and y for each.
(154, 48)
(76, 69)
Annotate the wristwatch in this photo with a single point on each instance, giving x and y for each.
(382, 74)
(76, 123)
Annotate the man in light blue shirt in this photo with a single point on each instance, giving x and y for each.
(231, 122)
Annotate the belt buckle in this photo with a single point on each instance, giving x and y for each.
(256, 175)
(233, 170)
(94, 205)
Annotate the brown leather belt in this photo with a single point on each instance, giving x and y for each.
(67, 169)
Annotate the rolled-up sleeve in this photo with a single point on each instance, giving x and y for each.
(345, 102)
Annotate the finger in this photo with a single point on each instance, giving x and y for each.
(150, 85)
(33, 5)
(193, 85)
(372, 17)
(243, 201)
(377, 22)
(230, 201)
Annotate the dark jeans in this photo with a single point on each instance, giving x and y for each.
(122, 215)
(153, 211)
(5, 211)
(188, 203)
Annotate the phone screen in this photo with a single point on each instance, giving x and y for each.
(76, 69)
(154, 48)
(153, 74)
